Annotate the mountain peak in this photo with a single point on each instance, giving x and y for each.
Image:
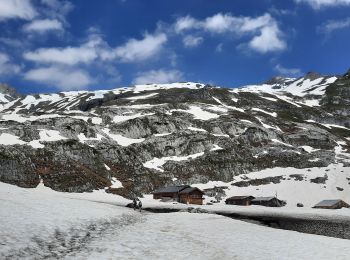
(312, 75)
(276, 80)
(347, 74)
(7, 93)
(6, 89)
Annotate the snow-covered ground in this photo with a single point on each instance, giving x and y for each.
(41, 223)
(340, 215)
(290, 189)
(207, 236)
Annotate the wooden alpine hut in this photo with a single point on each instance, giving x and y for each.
(239, 200)
(331, 204)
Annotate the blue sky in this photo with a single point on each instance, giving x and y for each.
(61, 45)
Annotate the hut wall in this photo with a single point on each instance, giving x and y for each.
(195, 197)
(268, 203)
(165, 195)
(339, 205)
(196, 201)
(244, 202)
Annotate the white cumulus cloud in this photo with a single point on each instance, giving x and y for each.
(139, 50)
(94, 48)
(334, 25)
(11, 9)
(67, 55)
(57, 9)
(70, 67)
(44, 25)
(63, 78)
(185, 23)
(268, 40)
(317, 4)
(97, 49)
(264, 30)
(192, 41)
(7, 67)
(293, 72)
(220, 23)
(158, 76)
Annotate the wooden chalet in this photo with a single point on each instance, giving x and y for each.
(331, 204)
(191, 195)
(268, 202)
(169, 192)
(239, 200)
(181, 193)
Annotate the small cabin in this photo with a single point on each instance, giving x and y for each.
(191, 195)
(268, 202)
(239, 200)
(181, 193)
(331, 204)
(171, 192)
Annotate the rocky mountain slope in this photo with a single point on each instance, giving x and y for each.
(136, 139)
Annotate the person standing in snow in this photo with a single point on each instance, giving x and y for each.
(140, 205)
(134, 204)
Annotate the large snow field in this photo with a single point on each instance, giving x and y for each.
(41, 223)
(37, 213)
(208, 236)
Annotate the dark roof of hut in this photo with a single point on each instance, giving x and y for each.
(189, 190)
(171, 189)
(240, 197)
(263, 198)
(327, 203)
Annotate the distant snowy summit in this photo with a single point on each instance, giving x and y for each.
(10, 99)
(310, 84)
(7, 93)
(149, 87)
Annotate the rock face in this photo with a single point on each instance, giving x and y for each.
(147, 136)
(7, 93)
(337, 99)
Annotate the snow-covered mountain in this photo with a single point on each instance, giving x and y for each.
(311, 84)
(7, 93)
(78, 100)
(289, 136)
